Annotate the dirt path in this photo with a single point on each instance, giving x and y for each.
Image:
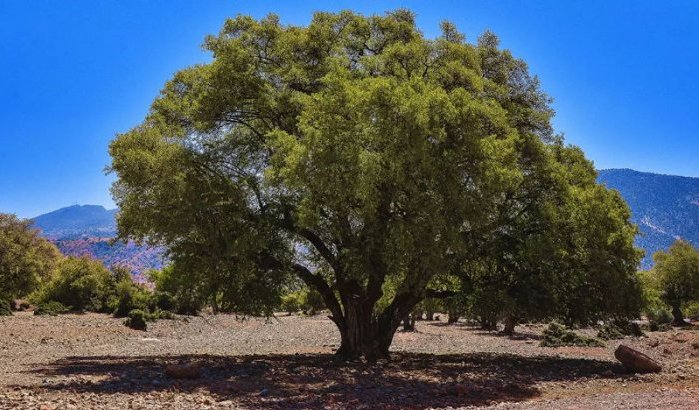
(93, 361)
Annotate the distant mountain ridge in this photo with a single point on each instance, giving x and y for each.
(89, 230)
(665, 207)
(77, 221)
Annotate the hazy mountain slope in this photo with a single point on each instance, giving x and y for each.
(665, 207)
(89, 230)
(77, 220)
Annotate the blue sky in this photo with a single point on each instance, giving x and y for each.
(75, 73)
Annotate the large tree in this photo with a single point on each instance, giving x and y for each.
(26, 259)
(352, 154)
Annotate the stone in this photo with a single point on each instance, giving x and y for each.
(635, 361)
(182, 371)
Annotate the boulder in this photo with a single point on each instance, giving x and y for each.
(182, 371)
(635, 361)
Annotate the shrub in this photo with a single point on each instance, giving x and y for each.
(136, 320)
(51, 308)
(618, 329)
(692, 311)
(81, 283)
(5, 308)
(557, 335)
(291, 303)
(658, 327)
(659, 316)
(308, 301)
(130, 296)
(178, 290)
(158, 314)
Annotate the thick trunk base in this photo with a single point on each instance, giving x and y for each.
(678, 317)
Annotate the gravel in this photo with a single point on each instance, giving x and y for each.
(94, 361)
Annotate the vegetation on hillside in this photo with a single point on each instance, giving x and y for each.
(665, 207)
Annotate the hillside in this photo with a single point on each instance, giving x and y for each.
(77, 221)
(89, 230)
(665, 207)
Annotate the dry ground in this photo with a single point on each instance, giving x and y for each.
(93, 361)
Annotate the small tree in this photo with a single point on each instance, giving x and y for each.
(677, 273)
(26, 259)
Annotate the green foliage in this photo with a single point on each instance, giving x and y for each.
(5, 309)
(50, 308)
(80, 282)
(26, 259)
(677, 273)
(367, 161)
(557, 335)
(136, 320)
(692, 310)
(618, 329)
(179, 290)
(660, 316)
(290, 303)
(306, 300)
(131, 296)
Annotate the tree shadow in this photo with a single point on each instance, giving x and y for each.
(408, 381)
(477, 330)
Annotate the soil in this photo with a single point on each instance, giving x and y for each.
(93, 361)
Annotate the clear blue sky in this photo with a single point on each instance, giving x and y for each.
(73, 73)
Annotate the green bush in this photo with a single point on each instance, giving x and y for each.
(81, 283)
(657, 327)
(692, 311)
(178, 290)
(291, 303)
(131, 296)
(306, 300)
(158, 314)
(659, 316)
(50, 308)
(618, 329)
(136, 320)
(557, 335)
(5, 308)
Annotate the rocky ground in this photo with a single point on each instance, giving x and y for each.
(93, 361)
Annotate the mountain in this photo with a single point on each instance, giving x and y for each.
(78, 221)
(665, 207)
(89, 230)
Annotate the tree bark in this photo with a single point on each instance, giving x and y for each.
(678, 316)
(453, 316)
(363, 335)
(510, 324)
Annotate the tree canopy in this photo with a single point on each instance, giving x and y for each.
(677, 275)
(369, 162)
(26, 259)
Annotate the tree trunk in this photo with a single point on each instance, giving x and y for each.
(364, 333)
(678, 316)
(429, 315)
(510, 324)
(409, 323)
(364, 336)
(488, 323)
(453, 316)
